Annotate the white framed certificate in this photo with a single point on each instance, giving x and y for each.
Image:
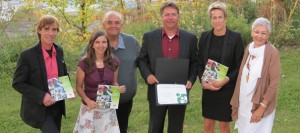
(171, 94)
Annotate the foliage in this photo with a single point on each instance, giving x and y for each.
(190, 18)
(249, 10)
(238, 22)
(284, 35)
(10, 52)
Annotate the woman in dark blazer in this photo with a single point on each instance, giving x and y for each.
(35, 66)
(226, 47)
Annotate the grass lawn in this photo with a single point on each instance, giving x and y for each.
(287, 117)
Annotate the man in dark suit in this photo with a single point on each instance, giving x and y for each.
(35, 66)
(173, 43)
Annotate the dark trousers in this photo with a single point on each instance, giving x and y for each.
(52, 123)
(53, 117)
(157, 118)
(123, 113)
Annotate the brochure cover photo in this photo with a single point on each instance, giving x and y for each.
(60, 88)
(214, 71)
(108, 96)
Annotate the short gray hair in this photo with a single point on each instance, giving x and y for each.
(217, 5)
(109, 13)
(262, 22)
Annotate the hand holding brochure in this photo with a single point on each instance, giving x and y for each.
(60, 88)
(108, 96)
(214, 71)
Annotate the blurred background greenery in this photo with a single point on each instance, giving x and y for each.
(80, 17)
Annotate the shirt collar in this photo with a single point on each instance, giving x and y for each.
(46, 55)
(121, 44)
(164, 32)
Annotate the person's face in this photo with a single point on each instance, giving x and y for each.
(100, 45)
(217, 19)
(113, 25)
(260, 35)
(170, 18)
(48, 34)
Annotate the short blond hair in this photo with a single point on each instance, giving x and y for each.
(217, 5)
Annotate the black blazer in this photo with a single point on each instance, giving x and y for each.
(30, 79)
(152, 48)
(231, 56)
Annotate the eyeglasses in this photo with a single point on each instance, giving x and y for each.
(257, 32)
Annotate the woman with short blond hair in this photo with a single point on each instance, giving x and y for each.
(226, 47)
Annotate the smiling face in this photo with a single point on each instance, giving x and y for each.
(260, 35)
(48, 34)
(100, 45)
(218, 19)
(112, 25)
(170, 18)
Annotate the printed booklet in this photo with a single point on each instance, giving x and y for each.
(60, 88)
(214, 71)
(108, 96)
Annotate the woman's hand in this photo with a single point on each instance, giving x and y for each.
(122, 89)
(91, 104)
(209, 86)
(257, 114)
(220, 84)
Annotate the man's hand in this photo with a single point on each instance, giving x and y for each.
(188, 85)
(48, 100)
(151, 79)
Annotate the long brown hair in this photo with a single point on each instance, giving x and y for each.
(89, 58)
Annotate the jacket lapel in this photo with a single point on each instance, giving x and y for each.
(158, 43)
(182, 41)
(41, 62)
(207, 46)
(59, 61)
(224, 47)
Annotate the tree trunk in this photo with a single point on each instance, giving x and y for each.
(293, 10)
(83, 15)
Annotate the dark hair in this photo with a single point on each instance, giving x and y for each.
(168, 4)
(44, 21)
(89, 58)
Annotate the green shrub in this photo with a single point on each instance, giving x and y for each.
(11, 49)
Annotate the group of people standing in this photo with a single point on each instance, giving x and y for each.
(247, 95)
